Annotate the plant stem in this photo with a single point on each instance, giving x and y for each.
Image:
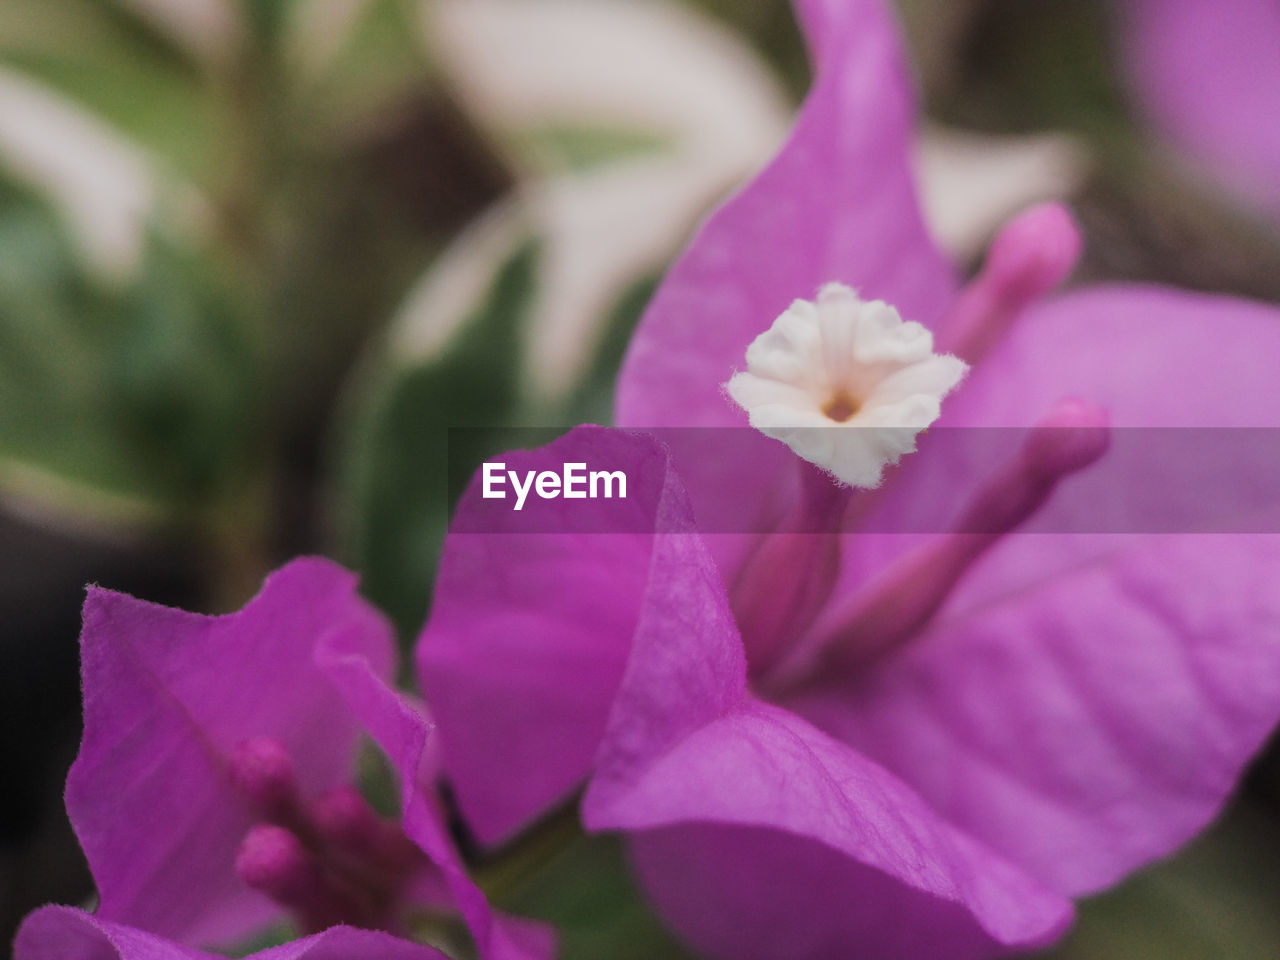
(507, 870)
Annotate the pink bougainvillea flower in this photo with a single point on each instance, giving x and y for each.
(890, 744)
(59, 933)
(213, 794)
(1208, 76)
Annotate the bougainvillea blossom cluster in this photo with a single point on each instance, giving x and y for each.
(922, 744)
(823, 731)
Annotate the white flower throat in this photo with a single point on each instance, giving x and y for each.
(825, 372)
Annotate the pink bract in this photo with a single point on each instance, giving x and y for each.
(216, 766)
(1071, 707)
(1208, 76)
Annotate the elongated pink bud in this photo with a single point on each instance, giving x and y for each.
(262, 770)
(781, 589)
(1073, 435)
(1031, 255)
(344, 819)
(896, 605)
(273, 861)
(788, 578)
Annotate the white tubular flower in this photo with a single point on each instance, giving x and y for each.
(845, 383)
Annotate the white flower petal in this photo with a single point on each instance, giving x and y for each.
(791, 350)
(751, 392)
(936, 375)
(845, 383)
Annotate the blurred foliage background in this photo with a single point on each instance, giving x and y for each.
(258, 256)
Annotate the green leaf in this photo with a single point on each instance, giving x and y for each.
(1213, 901)
(771, 28)
(382, 60)
(1031, 67)
(143, 392)
(266, 19)
(117, 68)
(588, 893)
(582, 148)
(398, 447)
(592, 399)
(275, 936)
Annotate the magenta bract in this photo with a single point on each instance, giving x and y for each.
(897, 745)
(1208, 77)
(213, 790)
